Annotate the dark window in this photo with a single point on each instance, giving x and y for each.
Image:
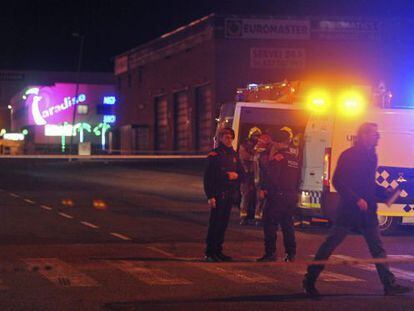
(204, 118)
(161, 123)
(104, 109)
(129, 79)
(140, 73)
(182, 124)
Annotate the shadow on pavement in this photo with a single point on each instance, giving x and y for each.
(296, 297)
(178, 259)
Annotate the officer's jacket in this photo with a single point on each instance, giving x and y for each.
(281, 173)
(247, 154)
(220, 161)
(354, 178)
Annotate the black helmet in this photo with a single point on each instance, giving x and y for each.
(282, 136)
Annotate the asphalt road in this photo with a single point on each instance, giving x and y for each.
(79, 236)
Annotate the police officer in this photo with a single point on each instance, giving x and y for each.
(222, 179)
(280, 184)
(247, 153)
(354, 179)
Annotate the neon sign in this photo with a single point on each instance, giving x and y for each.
(59, 130)
(109, 119)
(40, 116)
(13, 136)
(109, 100)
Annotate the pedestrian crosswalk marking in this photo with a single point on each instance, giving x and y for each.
(329, 276)
(149, 275)
(236, 275)
(399, 273)
(60, 273)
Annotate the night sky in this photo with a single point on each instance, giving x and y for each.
(37, 35)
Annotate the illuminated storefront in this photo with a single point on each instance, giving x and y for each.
(57, 115)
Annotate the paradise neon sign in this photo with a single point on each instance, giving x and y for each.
(40, 116)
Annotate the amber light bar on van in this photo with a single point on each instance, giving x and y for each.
(327, 167)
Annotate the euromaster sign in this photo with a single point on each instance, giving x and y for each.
(237, 28)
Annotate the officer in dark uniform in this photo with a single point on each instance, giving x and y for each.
(280, 185)
(354, 179)
(222, 179)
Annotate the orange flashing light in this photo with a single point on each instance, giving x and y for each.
(318, 101)
(351, 103)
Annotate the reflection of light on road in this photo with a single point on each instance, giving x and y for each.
(68, 202)
(100, 204)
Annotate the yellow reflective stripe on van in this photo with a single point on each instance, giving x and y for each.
(310, 205)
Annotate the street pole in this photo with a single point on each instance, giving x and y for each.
(80, 55)
(11, 118)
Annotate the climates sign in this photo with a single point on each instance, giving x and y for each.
(267, 29)
(277, 58)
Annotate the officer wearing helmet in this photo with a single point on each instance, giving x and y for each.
(280, 184)
(247, 153)
(222, 178)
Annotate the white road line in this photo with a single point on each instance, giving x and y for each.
(29, 201)
(328, 276)
(237, 275)
(14, 195)
(46, 207)
(121, 236)
(399, 273)
(66, 215)
(60, 273)
(88, 224)
(158, 250)
(149, 275)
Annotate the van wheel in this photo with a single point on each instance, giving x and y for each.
(388, 224)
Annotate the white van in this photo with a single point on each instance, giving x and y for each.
(321, 137)
(395, 160)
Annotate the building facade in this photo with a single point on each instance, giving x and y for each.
(170, 89)
(14, 81)
(56, 118)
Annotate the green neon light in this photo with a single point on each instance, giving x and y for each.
(100, 130)
(81, 127)
(63, 141)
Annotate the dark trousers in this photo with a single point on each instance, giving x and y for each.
(219, 220)
(278, 211)
(372, 238)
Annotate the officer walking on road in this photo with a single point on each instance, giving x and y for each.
(354, 179)
(280, 185)
(222, 179)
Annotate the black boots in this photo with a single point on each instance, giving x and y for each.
(396, 289)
